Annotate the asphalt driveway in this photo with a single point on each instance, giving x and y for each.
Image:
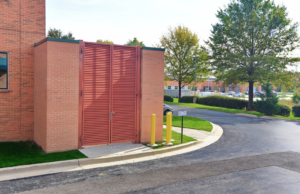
(253, 156)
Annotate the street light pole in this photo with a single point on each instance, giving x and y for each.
(195, 78)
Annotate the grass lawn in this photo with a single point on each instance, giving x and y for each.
(176, 136)
(190, 122)
(214, 108)
(22, 153)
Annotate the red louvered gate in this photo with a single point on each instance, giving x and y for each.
(109, 100)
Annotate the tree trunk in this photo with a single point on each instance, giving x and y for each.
(179, 94)
(250, 100)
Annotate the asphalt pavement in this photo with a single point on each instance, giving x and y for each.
(253, 156)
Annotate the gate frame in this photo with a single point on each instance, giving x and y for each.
(81, 89)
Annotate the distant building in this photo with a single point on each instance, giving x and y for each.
(211, 85)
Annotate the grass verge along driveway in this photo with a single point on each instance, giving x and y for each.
(191, 123)
(176, 137)
(228, 110)
(214, 108)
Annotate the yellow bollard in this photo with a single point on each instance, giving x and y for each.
(169, 129)
(153, 123)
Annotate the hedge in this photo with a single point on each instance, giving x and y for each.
(168, 98)
(188, 99)
(222, 101)
(284, 111)
(296, 111)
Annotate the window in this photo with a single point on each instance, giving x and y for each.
(176, 87)
(169, 87)
(3, 71)
(237, 89)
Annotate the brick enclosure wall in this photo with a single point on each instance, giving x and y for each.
(56, 96)
(22, 23)
(152, 92)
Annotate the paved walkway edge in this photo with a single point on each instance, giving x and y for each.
(80, 164)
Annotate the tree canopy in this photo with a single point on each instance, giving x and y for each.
(135, 42)
(56, 33)
(105, 41)
(181, 45)
(251, 43)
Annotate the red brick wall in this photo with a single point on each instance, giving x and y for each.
(40, 94)
(56, 126)
(22, 23)
(152, 90)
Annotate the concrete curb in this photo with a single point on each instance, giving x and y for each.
(266, 117)
(247, 115)
(80, 164)
(36, 169)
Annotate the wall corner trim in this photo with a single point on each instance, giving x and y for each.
(153, 48)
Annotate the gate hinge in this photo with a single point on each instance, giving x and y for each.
(81, 93)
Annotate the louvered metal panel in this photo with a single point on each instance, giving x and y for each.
(110, 84)
(123, 127)
(96, 98)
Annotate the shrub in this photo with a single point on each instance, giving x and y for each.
(268, 103)
(188, 99)
(222, 101)
(267, 107)
(168, 98)
(296, 111)
(296, 98)
(284, 110)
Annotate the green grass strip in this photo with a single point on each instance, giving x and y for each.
(175, 136)
(191, 123)
(23, 153)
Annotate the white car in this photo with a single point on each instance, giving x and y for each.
(237, 94)
(231, 93)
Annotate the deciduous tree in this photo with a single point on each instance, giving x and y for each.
(135, 42)
(181, 45)
(56, 33)
(105, 41)
(251, 42)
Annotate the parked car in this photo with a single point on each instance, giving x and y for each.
(246, 93)
(274, 93)
(231, 92)
(167, 109)
(237, 94)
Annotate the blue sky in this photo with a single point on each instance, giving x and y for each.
(148, 20)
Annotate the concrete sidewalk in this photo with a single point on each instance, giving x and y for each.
(114, 150)
(194, 133)
(130, 148)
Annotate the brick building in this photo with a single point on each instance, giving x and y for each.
(22, 23)
(68, 94)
